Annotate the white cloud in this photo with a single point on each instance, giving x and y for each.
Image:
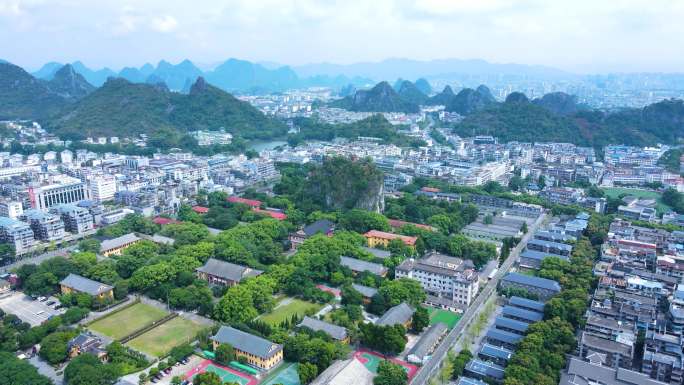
(166, 23)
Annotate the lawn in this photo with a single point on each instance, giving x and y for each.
(160, 340)
(125, 322)
(440, 315)
(286, 308)
(615, 192)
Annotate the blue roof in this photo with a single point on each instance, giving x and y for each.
(526, 303)
(470, 381)
(503, 336)
(496, 352)
(549, 244)
(540, 255)
(523, 279)
(516, 312)
(507, 323)
(485, 368)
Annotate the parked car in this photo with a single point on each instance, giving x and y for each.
(42, 299)
(50, 303)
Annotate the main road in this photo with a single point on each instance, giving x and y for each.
(428, 370)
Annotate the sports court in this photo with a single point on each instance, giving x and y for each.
(440, 315)
(286, 375)
(371, 361)
(227, 374)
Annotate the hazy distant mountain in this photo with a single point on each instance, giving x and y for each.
(412, 69)
(381, 98)
(94, 77)
(241, 75)
(469, 100)
(517, 97)
(69, 84)
(443, 98)
(424, 86)
(559, 103)
(410, 93)
(176, 76)
(47, 71)
(24, 97)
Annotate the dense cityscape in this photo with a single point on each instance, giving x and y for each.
(393, 222)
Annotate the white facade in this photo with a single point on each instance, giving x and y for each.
(102, 188)
(11, 209)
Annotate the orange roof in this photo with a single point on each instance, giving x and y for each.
(200, 209)
(410, 241)
(431, 189)
(164, 221)
(273, 214)
(249, 202)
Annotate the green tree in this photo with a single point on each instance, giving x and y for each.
(390, 373)
(307, 372)
(459, 363)
(420, 320)
(91, 245)
(362, 221)
(235, 306)
(207, 378)
(225, 353)
(86, 369)
(14, 371)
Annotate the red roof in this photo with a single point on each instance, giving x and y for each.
(409, 241)
(200, 209)
(395, 223)
(164, 221)
(430, 189)
(331, 290)
(273, 214)
(249, 202)
(630, 242)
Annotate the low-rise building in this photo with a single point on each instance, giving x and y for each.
(541, 287)
(359, 266)
(427, 343)
(116, 246)
(401, 314)
(337, 333)
(74, 283)
(223, 273)
(256, 351)
(321, 226)
(380, 238)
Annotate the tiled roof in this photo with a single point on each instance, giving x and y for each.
(114, 243)
(526, 303)
(532, 281)
(85, 285)
(366, 291)
(227, 270)
(526, 315)
(395, 315)
(359, 265)
(246, 342)
(410, 241)
(249, 202)
(320, 226)
(336, 332)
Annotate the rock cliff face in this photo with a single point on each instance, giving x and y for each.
(340, 183)
(381, 98)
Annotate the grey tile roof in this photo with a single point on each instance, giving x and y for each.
(85, 285)
(395, 315)
(359, 265)
(522, 314)
(427, 341)
(507, 323)
(503, 336)
(320, 226)
(581, 372)
(526, 303)
(114, 243)
(227, 270)
(470, 381)
(246, 342)
(541, 255)
(336, 332)
(365, 291)
(548, 244)
(378, 253)
(523, 279)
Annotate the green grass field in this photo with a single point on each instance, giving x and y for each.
(160, 340)
(445, 316)
(125, 322)
(283, 312)
(615, 192)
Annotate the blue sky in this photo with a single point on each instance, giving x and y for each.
(584, 36)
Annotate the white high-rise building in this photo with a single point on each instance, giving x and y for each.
(68, 190)
(102, 188)
(66, 156)
(11, 209)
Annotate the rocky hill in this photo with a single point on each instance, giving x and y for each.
(69, 84)
(381, 98)
(559, 103)
(443, 98)
(24, 97)
(122, 108)
(424, 86)
(410, 93)
(470, 100)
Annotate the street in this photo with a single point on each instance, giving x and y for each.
(439, 355)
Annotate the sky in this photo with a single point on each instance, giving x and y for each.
(581, 36)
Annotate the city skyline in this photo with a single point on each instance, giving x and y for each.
(626, 36)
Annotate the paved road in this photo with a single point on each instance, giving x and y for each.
(432, 366)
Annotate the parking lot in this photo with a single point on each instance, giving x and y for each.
(28, 310)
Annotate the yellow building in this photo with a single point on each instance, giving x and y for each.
(258, 352)
(76, 284)
(116, 246)
(380, 238)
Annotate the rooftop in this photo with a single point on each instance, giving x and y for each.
(526, 303)
(227, 270)
(359, 265)
(85, 285)
(395, 315)
(528, 280)
(114, 243)
(336, 332)
(246, 342)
